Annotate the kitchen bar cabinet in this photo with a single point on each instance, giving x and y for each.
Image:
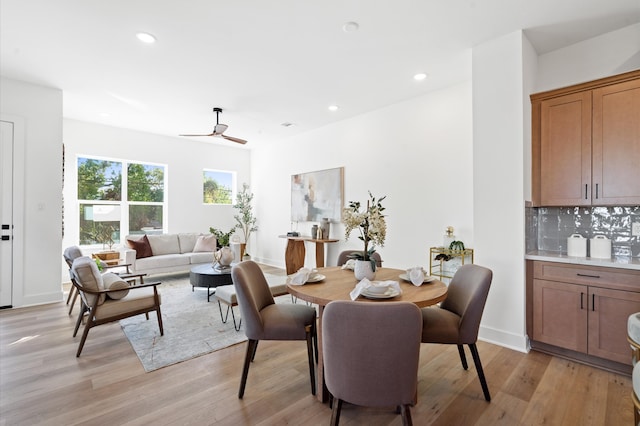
(444, 262)
(586, 143)
(581, 311)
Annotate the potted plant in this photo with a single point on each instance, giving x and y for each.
(222, 238)
(373, 230)
(245, 218)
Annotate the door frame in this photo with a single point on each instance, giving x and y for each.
(18, 206)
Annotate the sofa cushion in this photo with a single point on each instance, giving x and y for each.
(111, 281)
(205, 243)
(187, 242)
(203, 257)
(162, 261)
(142, 298)
(87, 275)
(141, 246)
(164, 244)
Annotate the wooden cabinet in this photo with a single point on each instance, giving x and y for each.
(584, 309)
(586, 143)
(616, 144)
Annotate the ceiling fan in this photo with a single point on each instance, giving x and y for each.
(219, 130)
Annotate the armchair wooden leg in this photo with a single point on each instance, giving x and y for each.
(251, 352)
(483, 381)
(85, 333)
(73, 302)
(335, 413)
(463, 357)
(312, 366)
(83, 309)
(405, 412)
(160, 321)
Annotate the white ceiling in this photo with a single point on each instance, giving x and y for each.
(267, 62)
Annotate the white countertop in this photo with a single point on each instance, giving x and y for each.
(614, 262)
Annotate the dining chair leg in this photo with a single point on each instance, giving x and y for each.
(85, 333)
(315, 341)
(251, 351)
(255, 348)
(405, 412)
(312, 374)
(483, 381)
(463, 357)
(335, 413)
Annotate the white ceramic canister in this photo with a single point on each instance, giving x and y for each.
(576, 246)
(600, 247)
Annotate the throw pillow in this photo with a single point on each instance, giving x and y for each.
(141, 246)
(111, 281)
(205, 243)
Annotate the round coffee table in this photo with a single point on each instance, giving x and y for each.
(207, 276)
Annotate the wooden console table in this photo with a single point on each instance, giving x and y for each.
(295, 252)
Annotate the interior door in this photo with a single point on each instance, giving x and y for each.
(6, 213)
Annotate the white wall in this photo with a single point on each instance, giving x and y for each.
(609, 54)
(185, 160)
(498, 152)
(417, 153)
(40, 206)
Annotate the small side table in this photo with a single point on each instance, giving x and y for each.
(207, 276)
(295, 252)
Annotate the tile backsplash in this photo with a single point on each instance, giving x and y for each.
(549, 227)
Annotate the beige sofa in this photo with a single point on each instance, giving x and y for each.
(171, 253)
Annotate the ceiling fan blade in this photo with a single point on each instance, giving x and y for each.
(210, 134)
(232, 139)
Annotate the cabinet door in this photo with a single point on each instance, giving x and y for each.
(616, 144)
(565, 150)
(608, 314)
(560, 314)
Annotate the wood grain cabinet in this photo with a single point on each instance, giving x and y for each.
(584, 309)
(586, 143)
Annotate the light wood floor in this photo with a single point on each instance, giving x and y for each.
(43, 383)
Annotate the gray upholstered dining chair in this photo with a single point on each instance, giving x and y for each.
(457, 320)
(344, 256)
(70, 254)
(108, 301)
(371, 353)
(263, 319)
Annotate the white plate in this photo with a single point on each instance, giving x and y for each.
(392, 292)
(427, 278)
(316, 278)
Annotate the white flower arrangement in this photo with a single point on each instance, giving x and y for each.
(370, 223)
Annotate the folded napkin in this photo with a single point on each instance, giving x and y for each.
(416, 275)
(365, 283)
(302, 276)
(350, 264)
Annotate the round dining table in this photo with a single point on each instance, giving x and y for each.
(338, 284)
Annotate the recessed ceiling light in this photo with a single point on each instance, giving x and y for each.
(420, 76)
(350, 27)
(104, 114)
(333, 107)
(146, 38)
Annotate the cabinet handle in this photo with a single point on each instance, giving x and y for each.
(593, 302)
(586, 187)
(581, 300)
(587, 275)
(597, 191)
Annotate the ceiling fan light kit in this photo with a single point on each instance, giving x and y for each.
(219, 129)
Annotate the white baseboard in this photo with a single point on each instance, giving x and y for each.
(503, 338)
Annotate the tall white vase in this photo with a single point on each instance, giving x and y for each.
(364, 269)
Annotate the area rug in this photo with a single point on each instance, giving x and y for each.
(192, 326)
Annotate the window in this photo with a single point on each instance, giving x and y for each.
(217, 187)
(119, 196)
